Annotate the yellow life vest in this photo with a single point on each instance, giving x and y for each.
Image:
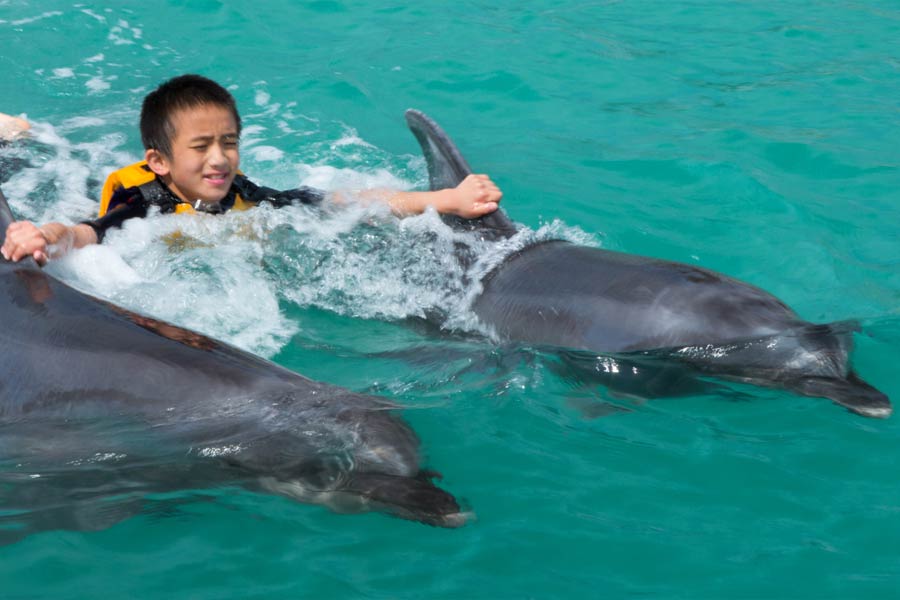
(139, 174)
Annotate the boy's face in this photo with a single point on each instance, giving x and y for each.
(205, 155)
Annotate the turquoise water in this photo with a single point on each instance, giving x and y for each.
(755, 138)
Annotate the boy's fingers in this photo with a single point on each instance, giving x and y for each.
(20, 253)
(484, 209)
(492, 196)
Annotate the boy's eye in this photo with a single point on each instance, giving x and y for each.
(200, 147)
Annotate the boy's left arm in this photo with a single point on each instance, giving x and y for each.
(474, 197)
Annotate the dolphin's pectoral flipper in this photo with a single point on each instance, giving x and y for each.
(92, 514)
(415, 498)
(589, 407)
(446, 169)
(851, 392)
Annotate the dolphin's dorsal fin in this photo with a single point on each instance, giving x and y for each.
(446, 168)
(6, 217)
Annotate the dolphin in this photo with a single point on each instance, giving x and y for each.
(639, 316)
(101, 407)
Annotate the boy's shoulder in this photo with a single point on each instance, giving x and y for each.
(125, 178)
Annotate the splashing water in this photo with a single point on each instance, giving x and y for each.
(232, 276)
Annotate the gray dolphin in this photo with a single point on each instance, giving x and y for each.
(100, 406)
(639, 312)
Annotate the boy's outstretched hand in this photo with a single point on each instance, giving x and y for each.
(474, 197)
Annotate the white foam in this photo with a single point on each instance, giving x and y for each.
(261, 98)
(253, 129)
(40, 17)
(219, 451)
(352, 139)
(55, 186)
(81, 123)
(94, 15)
(116, 33)
(97, 269)
(327, 177)
(265, 153)
(99, 84)
(203, 272)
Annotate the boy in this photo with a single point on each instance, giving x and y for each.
(190, 128)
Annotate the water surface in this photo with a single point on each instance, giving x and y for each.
(754, 138)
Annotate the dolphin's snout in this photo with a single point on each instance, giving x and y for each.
(457, 519)
(876, 412)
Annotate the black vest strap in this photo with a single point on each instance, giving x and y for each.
(256, 194)
(156, 194)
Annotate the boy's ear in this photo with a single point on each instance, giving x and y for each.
(157, 162)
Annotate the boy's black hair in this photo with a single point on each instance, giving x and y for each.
(184, 91)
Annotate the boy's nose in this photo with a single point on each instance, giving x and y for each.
(217, 156)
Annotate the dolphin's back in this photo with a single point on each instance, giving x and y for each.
(577, 297)
(56, 338)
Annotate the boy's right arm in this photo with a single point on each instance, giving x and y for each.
(51, 240)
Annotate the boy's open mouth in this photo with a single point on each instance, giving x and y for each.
(216, 179)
